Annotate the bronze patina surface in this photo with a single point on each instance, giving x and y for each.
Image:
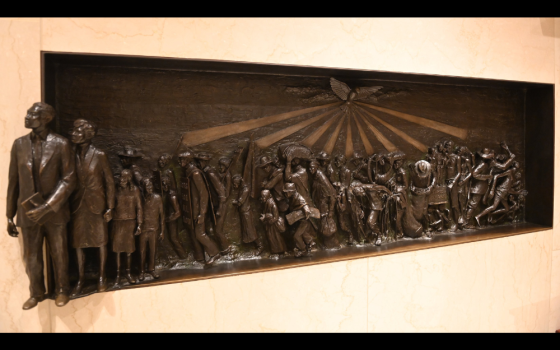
(193, 169)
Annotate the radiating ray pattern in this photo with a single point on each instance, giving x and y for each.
(331, 128)
(448, 129)
(365, 141)
(380, 137)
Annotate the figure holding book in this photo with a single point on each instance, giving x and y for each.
(41, 179)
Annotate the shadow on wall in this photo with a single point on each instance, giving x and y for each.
(80, 315)
(547, 27)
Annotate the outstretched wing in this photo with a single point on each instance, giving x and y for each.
(340, 89)
(364, 92)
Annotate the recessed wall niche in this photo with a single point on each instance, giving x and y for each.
(213, 108)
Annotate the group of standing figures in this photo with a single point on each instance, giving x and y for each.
(55, 184)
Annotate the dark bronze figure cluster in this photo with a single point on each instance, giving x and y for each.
(307, 201)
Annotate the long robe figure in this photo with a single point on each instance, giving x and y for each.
(324, 197)
(274, 224)
(248, 230)
(196, 207)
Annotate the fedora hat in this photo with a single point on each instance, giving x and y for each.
(323, 156)
(203, 156)
(263, 161)
(289, 187)
(130, 153)
(486, 153)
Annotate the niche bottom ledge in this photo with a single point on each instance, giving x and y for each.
(242, 267)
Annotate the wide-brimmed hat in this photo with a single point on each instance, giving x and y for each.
(486, 153)
(203, 156)
(428, 167)
(130, 153)
(186, 154)
(263, 161)
(358, 155)
(289, 187)
(323, 156)
(397, 155)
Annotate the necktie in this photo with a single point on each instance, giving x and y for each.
(37, 154)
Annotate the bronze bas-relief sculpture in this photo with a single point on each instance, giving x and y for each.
(273, 199)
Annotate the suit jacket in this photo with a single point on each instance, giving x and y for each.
(57, 178)
(96, 185)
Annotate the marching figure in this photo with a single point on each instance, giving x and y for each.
(274, 182)
(195, 204)
(129, 156)
(152, 229)
(324, 196)
(360, 172)
(248, 230)
(343, 208)
(173, 210)
(325, 161)
(374, 196)
(422, 181)
(127, 222)
(41, 179)
(92, 202)
(500, 194)
(219, 196)
(274, 224)
(481, 175)
(303, 239)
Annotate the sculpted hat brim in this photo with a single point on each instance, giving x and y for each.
(488, 155)
(128, 155)
(264, 163)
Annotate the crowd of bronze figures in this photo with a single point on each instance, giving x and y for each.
(306, 200)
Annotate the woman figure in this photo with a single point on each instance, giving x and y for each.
(274, 224)
(126, 222)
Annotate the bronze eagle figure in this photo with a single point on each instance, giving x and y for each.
(344, 92)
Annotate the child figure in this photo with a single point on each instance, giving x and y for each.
(128, 217)
(152, 228)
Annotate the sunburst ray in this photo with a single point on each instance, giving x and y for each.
(329, 146)
(197, 137)
(349, 142)
(448, 129)
(268, 140)
(365, 141)
(419, 145)
(389, 146)
(312, 138)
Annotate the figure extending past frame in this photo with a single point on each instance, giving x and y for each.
(41, 178)
(372, 195)
(92, 202)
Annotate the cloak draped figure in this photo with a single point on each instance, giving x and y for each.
(324, 197)
(422, 181)
(274, 224)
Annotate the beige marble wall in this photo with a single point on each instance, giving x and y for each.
(509, 284)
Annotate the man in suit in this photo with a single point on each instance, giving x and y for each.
(196, 203)
(42, 162)
(93, 201)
